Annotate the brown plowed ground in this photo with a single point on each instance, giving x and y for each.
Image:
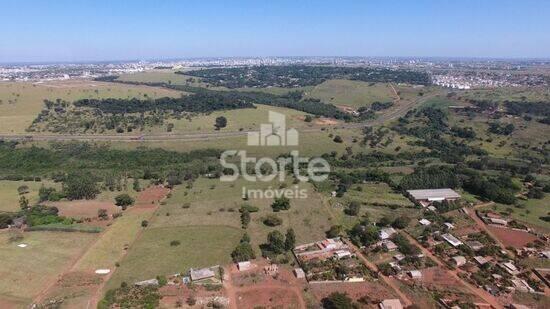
(514, 238)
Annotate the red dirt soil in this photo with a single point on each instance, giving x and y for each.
(355, 290)
(151, 195)
(510, 237)
(267, 297)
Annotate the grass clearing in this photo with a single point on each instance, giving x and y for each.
(108, 249)
(27, 271)
(9, 197)
(153, 255)
(529, 211)
(212, 202)
(351, 93)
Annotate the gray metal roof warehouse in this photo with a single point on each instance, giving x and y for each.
(434, 194)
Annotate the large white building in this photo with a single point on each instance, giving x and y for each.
(427, 197)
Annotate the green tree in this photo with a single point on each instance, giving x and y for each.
(290, 239)
(276, 242)
(353, 208)
(245, 218)
(243, 251)
(221, 122)
(80, 186)
(23, 202)
(124, 200)
(280, 203)
(136, 185)
(337, 300)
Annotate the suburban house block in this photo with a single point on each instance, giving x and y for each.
(427, 197)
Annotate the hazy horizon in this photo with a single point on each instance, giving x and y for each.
(92, 31)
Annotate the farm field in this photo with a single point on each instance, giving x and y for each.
(20, 103)
(153, 255)
(47, 255)
(350, 93)
(9, 197)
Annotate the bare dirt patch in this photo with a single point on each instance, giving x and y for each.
(83, 208)
(151, 195)
(510, 237)
(355, 290)
(268, 297)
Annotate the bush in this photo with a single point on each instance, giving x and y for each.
(280, 203)
(272, 220)
(124, 200)
(175, 243)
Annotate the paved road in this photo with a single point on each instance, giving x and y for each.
(391, 114)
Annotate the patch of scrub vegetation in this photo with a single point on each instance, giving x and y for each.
(20, 102)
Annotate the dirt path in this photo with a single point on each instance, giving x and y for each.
(488, 298)
(373, 267)
(472, 214)
(395, 92)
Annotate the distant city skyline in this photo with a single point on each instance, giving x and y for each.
(83, 31)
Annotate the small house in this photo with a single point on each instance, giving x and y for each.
(474, 244)
(299, 273)
(387, 232)
(391, 304)
(424, 222)
(389, 245)
(453, 241)
(415, 274)
(243, 266)
(459, 260)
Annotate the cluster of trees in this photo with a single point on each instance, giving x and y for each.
(243, 251)
(200, 102)
(431, 177)
(501, 129)
(80, 157)
(301, 75)
(519, 108)
(378, 106)
(499, 189)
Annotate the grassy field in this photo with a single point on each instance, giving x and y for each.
(9, 197)
(110, 247)
(511, 94)
(529, 212)
(20, 103)
(242, 119)
(377, 200)
(27, 271)
(216, 203)
(152, 255)
(351, 93)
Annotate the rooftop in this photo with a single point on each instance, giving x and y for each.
(434, 194)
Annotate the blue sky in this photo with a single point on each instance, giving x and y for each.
(119, 30)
